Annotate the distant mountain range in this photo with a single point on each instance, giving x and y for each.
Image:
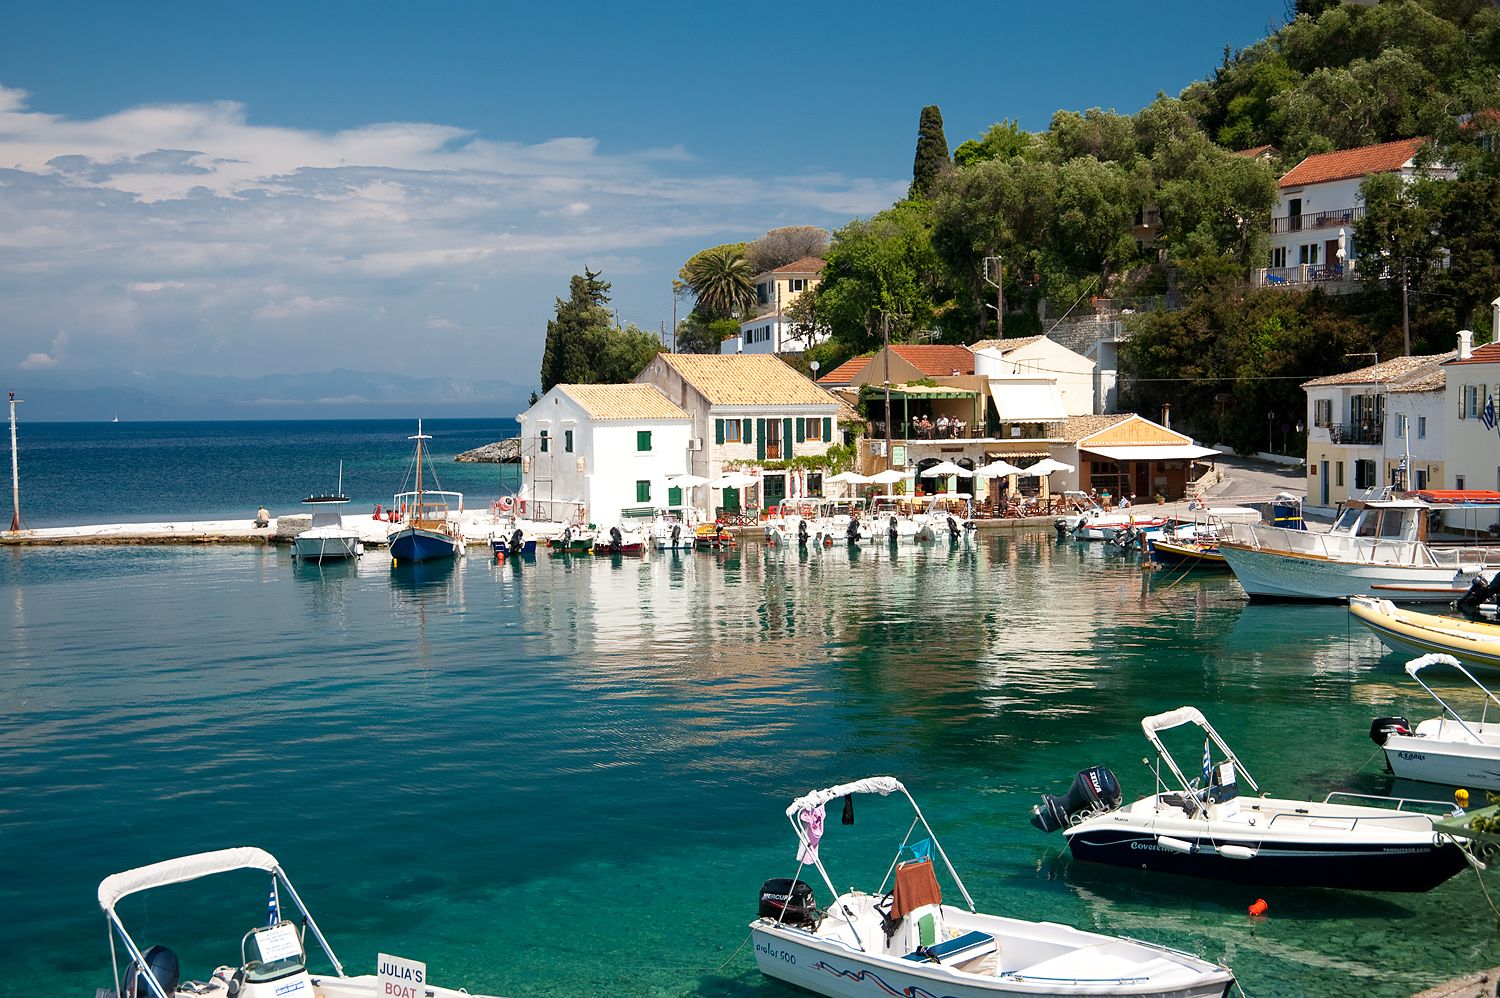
(103, 394)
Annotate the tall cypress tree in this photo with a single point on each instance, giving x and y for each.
(931, 161)
(576, 337)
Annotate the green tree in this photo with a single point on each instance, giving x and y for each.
(576, 336)
(721, 279)
(624, 354)
(1002, 141)
(931, 160)
(1400, 239)
(785, 245)
(1095, 205)
(1471, 232)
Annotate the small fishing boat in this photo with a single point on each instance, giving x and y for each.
(1186, 552)
(273, 959)
(909, 942)
(712, 537)
(428, 530)
(573, 540)
(1447, 750)
(1205, 829)
(622, 539)
(327, 539)
(671, 530)
(1411, 632)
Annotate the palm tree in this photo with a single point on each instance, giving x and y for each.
(721, 280)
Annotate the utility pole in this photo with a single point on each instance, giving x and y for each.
(1405, 310)
(885, 334)
(674, 319)
(994, 276)
(15, 471)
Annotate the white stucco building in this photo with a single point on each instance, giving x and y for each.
(770, 330)
(1471, 402)
(590, 451)
(1030, 358)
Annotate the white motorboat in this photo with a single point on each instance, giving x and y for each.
(947, 516)
(327, 539)
(273, 958)
(892, 519)
(1391, 548)
(1447, 750)
(1205, 829)
(790, 523)
(672, 530)
(909, 942)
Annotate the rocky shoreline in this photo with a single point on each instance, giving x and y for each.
(500, 452)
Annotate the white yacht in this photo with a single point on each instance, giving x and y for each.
(1418, 548)
(327, 539)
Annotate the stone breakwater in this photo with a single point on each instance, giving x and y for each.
(500, 452)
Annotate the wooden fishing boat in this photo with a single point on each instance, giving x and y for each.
(1408, 631)
(1186, 553)
(427, 530)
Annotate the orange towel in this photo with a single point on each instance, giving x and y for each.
(916, 885)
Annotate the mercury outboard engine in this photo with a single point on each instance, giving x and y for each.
(802, 533)
(1094, 791)
(952, 528)
(1383, 727)
(162, 963)
(515, 542)
(567, 537)
(676, 533)
(616, 541)
(788, 901)
(891, 530)
(1480, 592)
(852, 533)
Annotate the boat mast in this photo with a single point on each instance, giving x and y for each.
(416, 511)
(15, 471)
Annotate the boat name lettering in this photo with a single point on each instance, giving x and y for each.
(1412, 756)
(776, 954)
(287, 989)
(1147, 846)
(1392, 850)
(401, 978)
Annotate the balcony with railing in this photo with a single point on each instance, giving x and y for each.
(1354, 433)
(1334, 278)
(1318, 220)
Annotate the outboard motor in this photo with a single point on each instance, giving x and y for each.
(1480, 592)
(1061, 526)
(788, 901)
(1383, 727)
(162, 964)
(802, 533)
(852, 533)
(676, 533)
(567, 537)
(891, 530)
(952, 528)
(515, 542)
(616, 541)
(1094, 791)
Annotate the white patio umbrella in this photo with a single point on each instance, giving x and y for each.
(848, 478)
(947, 468)
(997, 469)
(687, 481)
(1045, 467)
(734, 480)
(889, 476)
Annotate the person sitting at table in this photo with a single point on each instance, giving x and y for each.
(926, 426)
(942, 426)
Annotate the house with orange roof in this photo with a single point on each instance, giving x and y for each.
(770, 330)
(1312, 228)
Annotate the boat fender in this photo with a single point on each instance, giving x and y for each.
(1383, 727)
(1236, 852)
(1259, 907)
(1171, 844)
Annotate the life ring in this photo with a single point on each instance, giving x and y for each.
(504, 504)
(807, 509)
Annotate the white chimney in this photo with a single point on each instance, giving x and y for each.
(1495, 321)
(1465, 344)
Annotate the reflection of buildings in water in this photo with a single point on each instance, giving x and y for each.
(1309, 640)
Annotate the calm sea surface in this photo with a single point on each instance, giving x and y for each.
(567, 777)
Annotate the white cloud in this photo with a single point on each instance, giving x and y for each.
(41, 361)
(187, 234)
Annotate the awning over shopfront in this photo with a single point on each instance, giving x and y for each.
(1028, 403)
(1153, 452)
(919, 392)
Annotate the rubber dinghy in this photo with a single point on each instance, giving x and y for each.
(908, 942)
(1205, 829)
(1411, 632)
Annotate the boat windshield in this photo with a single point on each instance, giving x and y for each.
(1345, 523)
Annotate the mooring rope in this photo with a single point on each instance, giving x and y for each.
(720, 967)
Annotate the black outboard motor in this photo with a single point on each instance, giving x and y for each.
(1094, 791)
(676, 533)
(162, 963)
(802, 533)
(891, 530)
(615, 539)
(788, 901)
(515, 542)
(1383, 727)
(567, 537)
(852, 533)
(1061, 526)
(952, 528)
(1480, 592)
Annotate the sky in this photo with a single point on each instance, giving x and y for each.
(296, 187)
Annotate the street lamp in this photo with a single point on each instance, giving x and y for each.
(1270, 444)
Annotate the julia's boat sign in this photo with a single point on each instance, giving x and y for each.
(399, 978)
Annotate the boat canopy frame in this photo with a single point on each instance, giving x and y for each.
(1177, 718)
(1416, 665)
(884, 786)
(117, 886)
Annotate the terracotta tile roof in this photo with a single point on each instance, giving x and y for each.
(1007, 345)
(936, 360)
(1078, 427)
(1255, 151)
(745, 379)
(610, 402)
(1395, 371)
(1384, 158)
(844, 372)
(806, 265)
(1487, 354)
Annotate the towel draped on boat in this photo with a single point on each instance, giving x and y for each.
(916, 885)
(812, 820)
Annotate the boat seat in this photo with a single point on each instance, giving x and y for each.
(960, 949)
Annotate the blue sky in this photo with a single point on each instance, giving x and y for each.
(292, 187)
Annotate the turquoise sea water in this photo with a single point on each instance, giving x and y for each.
(567, 777)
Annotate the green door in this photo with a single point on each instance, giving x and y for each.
(674, 496)
(775, 489)
(732, 500)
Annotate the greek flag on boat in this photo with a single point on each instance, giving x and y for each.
(1208, 764)
(273, 910)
